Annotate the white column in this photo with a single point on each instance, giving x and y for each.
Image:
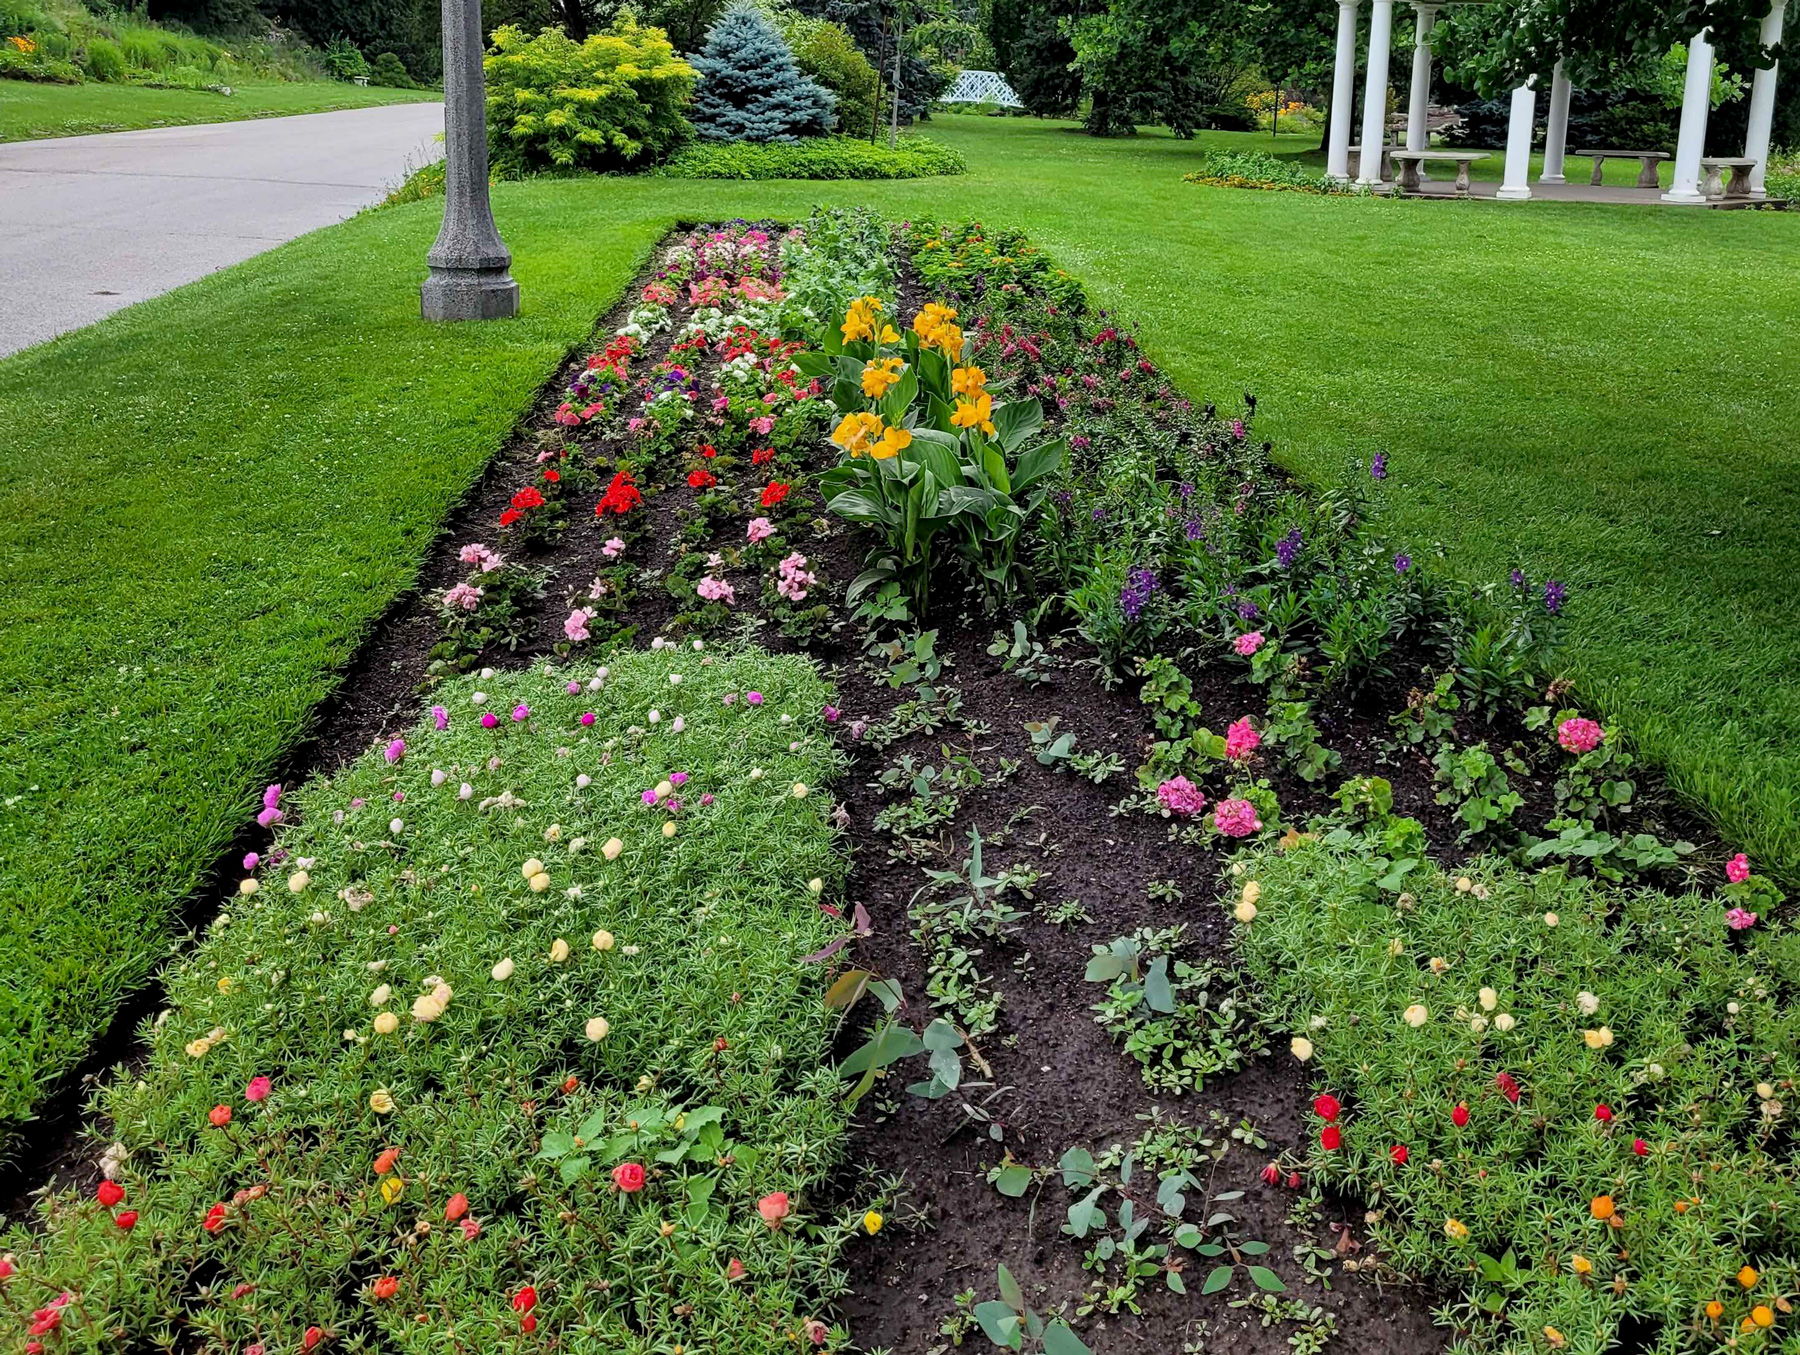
(1556, 136)
(1696, 103)
(1516, 187)
(1762, 103)
(1343, 92)
(1418, 136)
(1374, 126)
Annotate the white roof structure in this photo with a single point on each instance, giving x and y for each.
(981, 87)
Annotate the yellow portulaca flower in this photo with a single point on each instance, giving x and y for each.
(1301, 1048)
(1416, 1015)
(298, 881)
(871, 1222)
(669, 828)
(381, 1101)
(386, 1023)
(392, 1187)
(559, 951)
(612, 848)
(603, 940)
(596, 1029)
(539, 883)
(1245, 911)
(1455, 1229)
(881, 374)
(532, 867)
(503, 970)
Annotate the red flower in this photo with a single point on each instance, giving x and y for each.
(1509, 1087)
(570, 1083)
(312, 1338)
(1293, 1180)
(527, 498)
(621, 496)
(1641, 1148)
(762, 456)
(708, 451)
(1331, 1138)
(1399, 1153)
(773, 1207)
(109, 1193)
(215, 1218)
(1460, 1116)
(456, 1208)
(1326, 1107)
(386, 1287)
(775, 493)
(127, 1220)
(701, 479)
(510, 516)
(385, 1162)
(553, 476)
(1603, 1113)
(1271, 1174)
(258, 1089)
(629, 1177)
(220, 1116)
(528, 1324)
(525, 1300)
(734, 1269)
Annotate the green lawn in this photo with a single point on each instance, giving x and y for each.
(30, 111)
(209, 498)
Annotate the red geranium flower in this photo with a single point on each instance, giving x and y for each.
(701, 479)
(109, 1193)
(1460, 1116)
(775, 493)
(510, 516)
(628, 1177)
(553, 476)
(621, 496)
(1326, 1107)
(708, 451)
(527, 498)
(1399, 1153)
(1331, 1138)
(762, 456)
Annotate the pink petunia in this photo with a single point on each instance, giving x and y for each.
(762, 425)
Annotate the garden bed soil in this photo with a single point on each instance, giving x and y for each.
(1064, 1081)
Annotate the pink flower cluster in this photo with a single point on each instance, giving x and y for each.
(759, 530)
(1248, 643)
(484, 560)
(1180, 796)
(716, 590)
(795, 578)
(1739, 919)
(576, 627)
(1737, 870)
(464, 596)
(614, 547)
(1579, 735)
(1236, 818)
(1241, 739)
(271, 811)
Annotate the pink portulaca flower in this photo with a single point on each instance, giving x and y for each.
(1180, 796)
(1241, 739)
(258, 1089)
(760, 529)
(1737, 870)
(1236, 818)
(1739, 919)
(394, 751)
(1247, 644)
(1579, 735)
(576, 626)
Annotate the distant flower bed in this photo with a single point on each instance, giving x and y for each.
(825, 157)
(1260, 169)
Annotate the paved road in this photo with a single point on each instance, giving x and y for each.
(89, 224)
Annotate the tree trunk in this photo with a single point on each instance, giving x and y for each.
(575, 20)
(899, 47)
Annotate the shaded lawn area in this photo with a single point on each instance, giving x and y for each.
(29, 111)
(212, 496)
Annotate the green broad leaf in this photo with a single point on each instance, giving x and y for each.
(1173, 1279)
(814, 363)
(1010, 1293)
(1187, 1236)
(1077, 1168)
(557, 1143)
(1036, 462)
(1216, 1279)
(993, 465)
(900, 397)
(1254, 1248)
(1017, 420)
(1106, 968)
(1000, 1324)
(848, 989)
(573, 1167)
(1086, 1214)
(1013, 1180)
(1157, 991)
(1267, 1279)
(889, 1044)
(1060, 1339)
(859, 505)
(941, 1036)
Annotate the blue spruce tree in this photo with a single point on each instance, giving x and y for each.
(750, 88)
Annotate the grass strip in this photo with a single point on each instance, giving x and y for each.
(30, 112)
(1564, 1100)
(418, 1071)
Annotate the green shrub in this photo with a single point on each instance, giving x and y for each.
(830, 56)
(825, 157)
(606, 103)
(1783, 178)
(389, 71)
(105, 61)
(31, 62)
(1622, 1054)
(344, 60)
(1260, 169)
(19, 17)
(713, 1072)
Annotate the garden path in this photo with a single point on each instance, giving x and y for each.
(91, 224)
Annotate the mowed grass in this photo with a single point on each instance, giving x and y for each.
(30, 111)
(208, 499)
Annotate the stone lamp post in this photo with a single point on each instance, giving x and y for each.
(469, 278)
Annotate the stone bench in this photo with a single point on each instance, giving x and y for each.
(1739, 187)
(1387, 162)
(1411, 162)
(1647, 164)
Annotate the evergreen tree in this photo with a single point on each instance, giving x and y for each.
(750, 87)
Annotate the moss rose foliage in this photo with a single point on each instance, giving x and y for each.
(751, 88)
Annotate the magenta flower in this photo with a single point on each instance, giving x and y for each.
(1247, 644)
(521, 713)
(587, 717)
(251, 860)
(1737, 870)
(678, 778)
(754, 698)
(1241, 739)
(1579, 735)
(1739, 919)
(706, 799)
(395, 751)
(1180, 796)
(440, 717)
(489, 719)
(1236, 818)
(573, 689)
(832, 714)
(259, 1089)
(268, 818)
(649, 797)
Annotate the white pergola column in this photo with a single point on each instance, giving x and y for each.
(1762, 103)
(1516, 187)
(1556, 135)
(1696, 103)
(1343, 93)
(1374, 125)
(1418, 136)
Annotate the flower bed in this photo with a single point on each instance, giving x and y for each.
(513, 1033)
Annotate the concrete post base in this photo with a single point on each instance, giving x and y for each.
(1505, 194)
(469, 294)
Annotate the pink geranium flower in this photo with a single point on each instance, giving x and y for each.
(1248, 643)
(760, 529)
(576, 626)
(1180, 796)
(1236, 818)
(1737, 870)
(762, 425)
(1579, 735)
(463, 596)
(1241, 739)
(614, 547)
(1739, 919)
(716, 590)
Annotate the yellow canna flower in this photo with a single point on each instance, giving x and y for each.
(859, 319)
(968, 381)
(977, 413)
(858, 433)
(879, 375)
(893, 442)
